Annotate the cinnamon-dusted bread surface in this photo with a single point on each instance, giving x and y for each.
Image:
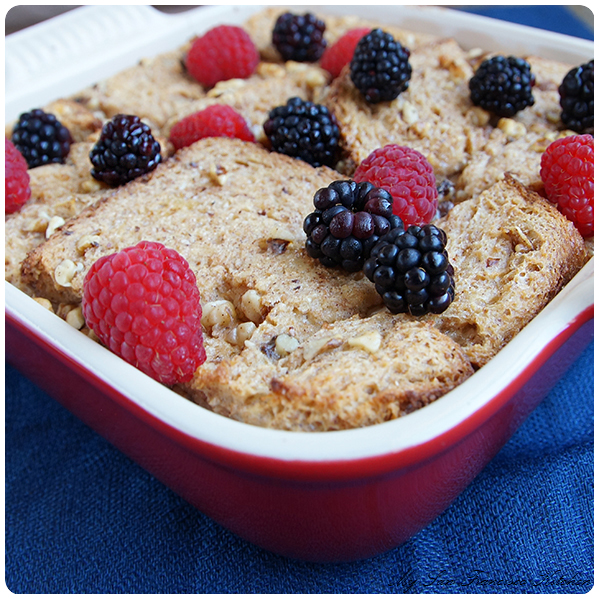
(58, 192)
(271, 86)
(235, 212)
(261, 24)
(153, 90)
(434, 115)
(512, 252)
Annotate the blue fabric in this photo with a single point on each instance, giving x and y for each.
(83, 518)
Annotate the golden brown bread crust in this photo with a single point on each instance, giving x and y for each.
(352, 373)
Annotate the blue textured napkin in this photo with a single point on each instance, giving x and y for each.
(82, 518)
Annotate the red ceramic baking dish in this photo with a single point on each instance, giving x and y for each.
(330, 496)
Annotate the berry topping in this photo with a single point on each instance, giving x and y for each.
(379, 68)
(340, 53)
(218, 120)
(348, 221)
(408, 176)
(502, 85)
(222, 53)
(304, 130)
(299, 37)
(41, 138)
(577, 98)
(411, 270)
(125, 150)
(568, 173)
(144, 305)
(16, 178)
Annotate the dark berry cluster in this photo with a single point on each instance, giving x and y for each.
(577, 98)
(304, 130)
(411, 270)
(379, 68)
(348, 221)
(41, 138)
(503, 85)
(299, 37)
(125, 150)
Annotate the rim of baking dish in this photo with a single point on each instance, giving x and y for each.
(478, 397)
(224, 439)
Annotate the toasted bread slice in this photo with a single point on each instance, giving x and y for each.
(261, 24)
(512, 251)
(235, 212)
(153, 89)
(434, 115)
(272, 85)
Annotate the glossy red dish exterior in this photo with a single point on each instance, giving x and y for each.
(327, 511)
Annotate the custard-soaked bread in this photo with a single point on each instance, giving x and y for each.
(352, 373)
(512, 252)
(434, 115)
(515, 145)
(271, 86)
(235, 212)
(58, 192)
(153, 89)
(261, 24)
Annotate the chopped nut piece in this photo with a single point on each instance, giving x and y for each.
(42, 301)
(244, 332)
(251, 305)
(55, 223)
(220, 312)
(370, 342)
(270, 69)
(285, 344)
(511, 128)
(318, 346)
(479, 116)
(224, 86)
(86, 242)
(218, 174)
(65, 271)
(409, 114)
(75, 318)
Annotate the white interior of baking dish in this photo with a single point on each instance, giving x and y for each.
(56, 58)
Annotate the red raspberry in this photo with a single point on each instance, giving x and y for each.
(340, 53)
(16, 178)
(567, 171)
(224, 52)
(218, 120)
(144, 305)
(408, 176)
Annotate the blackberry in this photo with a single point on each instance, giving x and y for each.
(125, 150)
(577, 98)
(411, 270)
(348, 221)
(299, 37)
(379, 68)
(41, 138)
(304, 130)
(503, 85)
